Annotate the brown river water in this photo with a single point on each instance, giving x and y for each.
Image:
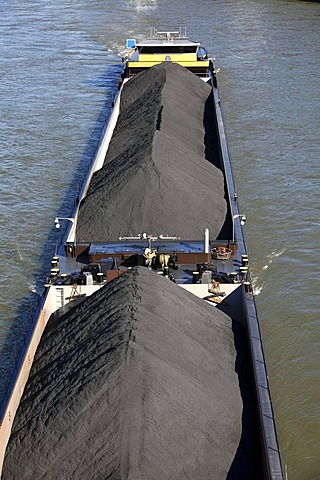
(59, 67)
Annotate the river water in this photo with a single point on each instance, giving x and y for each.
(59, 68)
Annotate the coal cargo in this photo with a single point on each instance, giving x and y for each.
(136, 382)
(161, 173)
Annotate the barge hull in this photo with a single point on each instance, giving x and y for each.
(269, 443)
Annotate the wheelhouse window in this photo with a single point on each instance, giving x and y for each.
(167, 49)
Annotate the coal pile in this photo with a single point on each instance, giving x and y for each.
(137, 382)
(161, 174)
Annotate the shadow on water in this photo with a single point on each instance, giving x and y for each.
(19, 333)
(214, 156)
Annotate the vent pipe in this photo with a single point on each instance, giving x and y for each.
(206, 240)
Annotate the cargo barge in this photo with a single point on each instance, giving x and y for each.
(211, 265)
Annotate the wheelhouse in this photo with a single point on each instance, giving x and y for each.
(167, 46)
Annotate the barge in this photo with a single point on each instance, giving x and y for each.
(208, 259)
